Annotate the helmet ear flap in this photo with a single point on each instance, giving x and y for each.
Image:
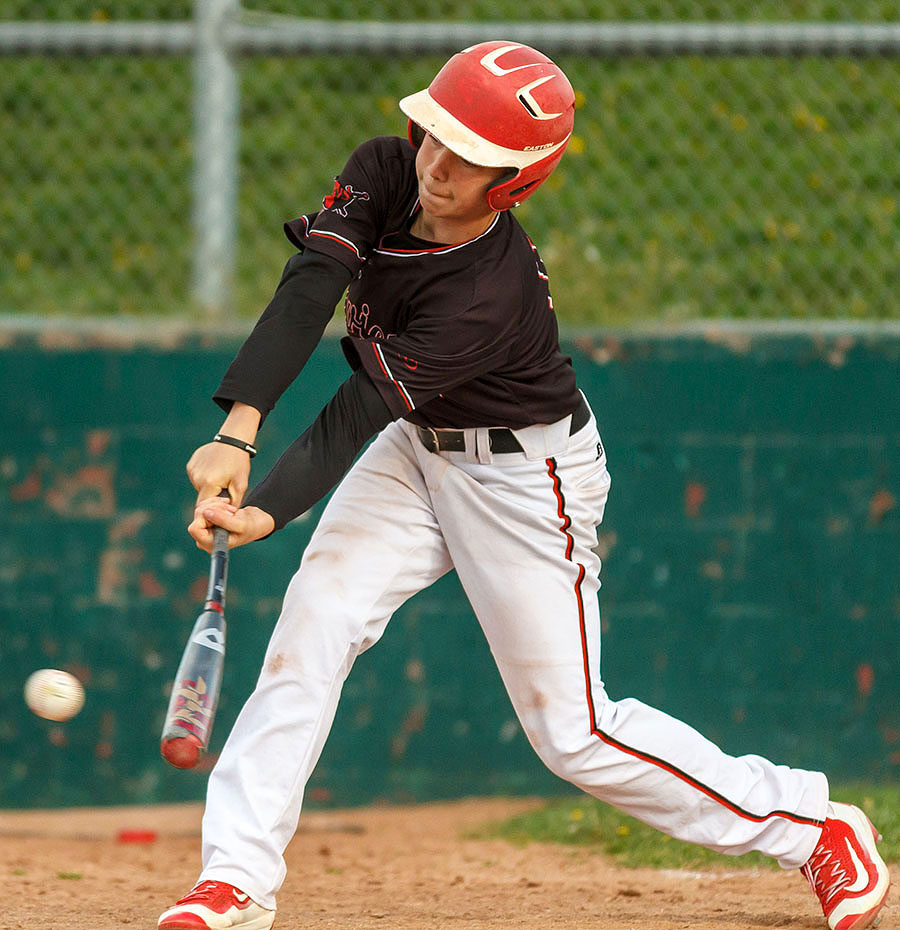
(497, 193)
(511, 191)
(415, 133)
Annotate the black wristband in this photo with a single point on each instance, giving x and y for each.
(237, 443)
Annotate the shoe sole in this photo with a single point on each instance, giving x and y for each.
(189, 922)
(871, 918)
(193, 922)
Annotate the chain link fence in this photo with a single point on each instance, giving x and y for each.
(725, 186)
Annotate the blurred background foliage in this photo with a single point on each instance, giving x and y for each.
(630, 10)
(726, 187)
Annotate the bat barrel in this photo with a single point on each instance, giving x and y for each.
(195, 693)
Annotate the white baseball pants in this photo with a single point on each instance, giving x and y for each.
(520, 532)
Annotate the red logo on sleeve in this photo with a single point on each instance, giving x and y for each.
(342, 197)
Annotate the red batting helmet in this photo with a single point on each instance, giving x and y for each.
(502, 105)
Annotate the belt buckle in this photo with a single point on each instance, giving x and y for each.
(434, 437)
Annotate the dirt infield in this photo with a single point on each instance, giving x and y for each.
(403, 868)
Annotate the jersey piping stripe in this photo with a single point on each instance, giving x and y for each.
(540, 273)
(401, 389)
(440, 250)
(346, 243)
(618, 744)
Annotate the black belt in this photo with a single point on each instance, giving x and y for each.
(501, 439)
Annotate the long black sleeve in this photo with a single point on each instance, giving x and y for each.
(316, 461)
(287, 332)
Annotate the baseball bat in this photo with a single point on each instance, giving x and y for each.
(195, 692)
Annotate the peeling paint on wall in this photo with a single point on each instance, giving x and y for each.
(751, 576)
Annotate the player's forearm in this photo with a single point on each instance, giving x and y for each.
(286, 334)
(242, 422)
(315, 463)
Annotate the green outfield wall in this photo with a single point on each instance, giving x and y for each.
(751, 549)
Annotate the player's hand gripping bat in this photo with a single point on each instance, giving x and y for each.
(195, 692)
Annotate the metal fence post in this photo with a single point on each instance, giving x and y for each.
(215, 159)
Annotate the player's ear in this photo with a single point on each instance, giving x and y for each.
(415, 133)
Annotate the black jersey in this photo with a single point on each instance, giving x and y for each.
(460, 335)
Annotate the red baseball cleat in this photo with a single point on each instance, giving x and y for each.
(216, 906)
(845, 871)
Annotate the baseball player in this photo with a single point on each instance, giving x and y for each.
(486, 460)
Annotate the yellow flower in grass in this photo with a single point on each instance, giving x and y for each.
(801, 117)
(804, 119)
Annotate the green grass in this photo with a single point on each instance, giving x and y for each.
(586, 823)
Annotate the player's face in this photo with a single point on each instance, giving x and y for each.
(452, 190)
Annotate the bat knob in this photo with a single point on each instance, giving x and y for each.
(181, 751)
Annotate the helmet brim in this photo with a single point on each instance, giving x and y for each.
(426, 112)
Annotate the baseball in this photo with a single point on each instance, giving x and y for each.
(54, 694)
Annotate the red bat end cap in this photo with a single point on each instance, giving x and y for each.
(181, 751)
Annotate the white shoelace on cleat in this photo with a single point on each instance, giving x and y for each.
(202, 889)
(826, 887)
